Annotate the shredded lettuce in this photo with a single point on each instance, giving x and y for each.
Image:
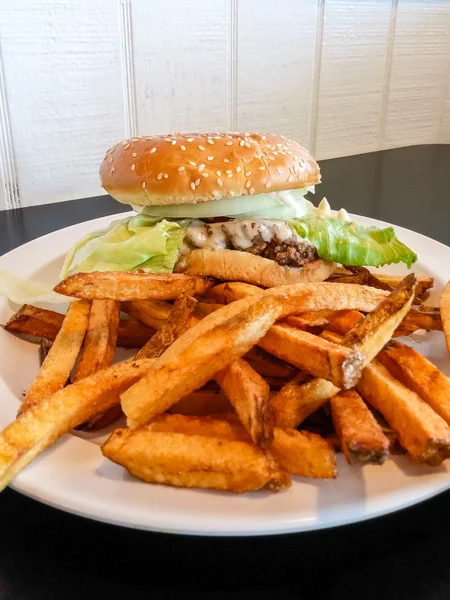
(24, 291)
(140, 242)
(350, 243)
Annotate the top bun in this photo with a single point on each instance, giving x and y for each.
(188, 168)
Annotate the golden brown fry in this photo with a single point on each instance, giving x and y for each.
(444, 304)
(249, 395)
(190, 461)
(153, 313)
(420, 375)
(202, 402)
(314, 355)
(304, 454)
(178, 321)
(225, 293)
(205, 308)
(300, 398)
(226, 426)
(101, 337)
(41, 425)
(423, 283)
(124, 286)
(215, 342)
(310, 321)
(37, 322)
(42, 323)
(355, 278)
(361, 438)
(61, 358)
(420, 317)
(267, 365)
(422, 432)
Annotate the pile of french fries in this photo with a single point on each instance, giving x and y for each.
(233, 387)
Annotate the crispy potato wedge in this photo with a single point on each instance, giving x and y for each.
(40, 426)
(191, 461)
(202, 403)
(101, 338)
(420, 317)
(267, 365)
(225, 426)
(380, 280)
(421, 431)
(424, 284)
(61, 358)
(318, 357)
(178, 321)
(418, 374)
(124, 286)
(215, 342)
(41, 323)
(205, 308)
(154, 313)
(310, 321)
(444, 305)
(360, 436)
(300, 398)
(36, 322)
(249, 395)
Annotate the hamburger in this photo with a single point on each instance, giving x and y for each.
(227, 205)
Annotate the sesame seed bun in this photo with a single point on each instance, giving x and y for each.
(201, 167)
(233, 265)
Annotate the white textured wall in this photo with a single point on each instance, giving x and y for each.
(341, 77)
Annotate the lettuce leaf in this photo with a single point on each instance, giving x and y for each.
(140, 242)
(350, 243)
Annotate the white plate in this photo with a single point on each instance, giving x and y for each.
(73, 475)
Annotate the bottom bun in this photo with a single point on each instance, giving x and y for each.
(233, 265)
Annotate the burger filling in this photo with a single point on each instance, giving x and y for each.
(275, 240)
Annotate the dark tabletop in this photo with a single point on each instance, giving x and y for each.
(45, 553)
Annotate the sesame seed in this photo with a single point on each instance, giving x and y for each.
(159, 176)
(174, 142)
(210, 141)
(134, 154)
(219, 181)
(261, 168)
(125, 143)
(216, 137)
(275, 153)
(197, 181)
(201, 167)
(204, 174)
(289, 152)
(241, 143)
(126, 146)
(166, 176)
(238, 169)
(252, 190)
(228, 143)
(110, 160)
(112, 170)
(201, 148)
(290, 178)
(279, 170)
(167, 140)
(216, 194)
(263, 137)
(258, 155)
(190, 140)
(229, 175)
(210, 158)
(153, 150)
(191, 162)
(248, 184)
(225, 160)
(218, 173)
(192, 185)
(143, 185)
(271, 157)
(228, 171)
(180, 168)
(248, 173)
(268, 184)
(133, 167)
(232, 194)
(295, 157)
(183, 147)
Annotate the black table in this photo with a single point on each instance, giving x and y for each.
(45, 553)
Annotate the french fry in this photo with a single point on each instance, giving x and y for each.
(178, 321)
(153, 313)
(300, 398)
(421, 431)
(418, 374)
(424, 284)
(215, 342)
(123, 286)
(61, 357)
(361, 438)
(363, 276)
(40, 426)
(205, 308)
(225, 293)
(307, 352)
(42, 323)
(201, 403)
(101, 338)
(249, 395)
(309, 321)
(191, 461)
(444, 304)
(297, 452)
(37, 322)
(267, 365)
